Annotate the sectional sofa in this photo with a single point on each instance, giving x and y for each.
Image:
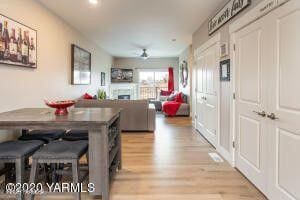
(136, 115)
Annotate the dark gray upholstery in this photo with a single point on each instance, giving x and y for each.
(157, 104)
(74, 135)
(62, 150)
(43, 135)
(18, 149)
(185, 98)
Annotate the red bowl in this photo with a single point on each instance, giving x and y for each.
(61, 106)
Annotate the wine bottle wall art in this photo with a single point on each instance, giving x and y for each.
(18, 43)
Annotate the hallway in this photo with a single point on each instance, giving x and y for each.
(174, 164)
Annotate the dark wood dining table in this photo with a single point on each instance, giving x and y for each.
(96, 120)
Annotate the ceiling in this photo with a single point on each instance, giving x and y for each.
(124, 27)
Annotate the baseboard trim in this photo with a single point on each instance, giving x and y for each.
(225, 154)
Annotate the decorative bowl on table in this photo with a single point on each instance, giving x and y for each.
(60, 106)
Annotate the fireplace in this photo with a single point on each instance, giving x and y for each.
(126, 97)
(123, 91)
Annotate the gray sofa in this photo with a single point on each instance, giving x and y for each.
(184, 109)
(136, 115)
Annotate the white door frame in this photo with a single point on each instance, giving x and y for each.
(214, 40)
(256, 13)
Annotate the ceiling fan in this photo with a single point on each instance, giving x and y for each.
(144, 55)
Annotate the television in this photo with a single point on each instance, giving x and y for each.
(119, 75)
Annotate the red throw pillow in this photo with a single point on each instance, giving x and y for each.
(87, 96)
(178, 97)
(164, 93)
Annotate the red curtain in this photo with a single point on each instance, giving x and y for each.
(171, 80)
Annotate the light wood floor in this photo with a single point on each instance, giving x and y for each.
(173, 164)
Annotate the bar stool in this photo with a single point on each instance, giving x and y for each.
(43, 135)
(74, 135)
(16, 152)
(60, 152)
(46, 136)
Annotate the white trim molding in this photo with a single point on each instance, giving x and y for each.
(215, 39)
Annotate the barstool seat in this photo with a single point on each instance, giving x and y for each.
(62, 150)
(43, 135)
(16, 152)
(74, 135)
(18, 149)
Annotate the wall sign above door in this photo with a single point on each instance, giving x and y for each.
(232, 8)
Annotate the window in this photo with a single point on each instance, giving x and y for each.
(151, 82)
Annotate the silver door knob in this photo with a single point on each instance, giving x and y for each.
(262, 113)
(272, 116)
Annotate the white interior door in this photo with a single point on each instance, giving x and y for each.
(210, 79)
(284, 98)
(200, 93)
(251, 130)
(207, 90)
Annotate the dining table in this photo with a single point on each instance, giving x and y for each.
(104, 160)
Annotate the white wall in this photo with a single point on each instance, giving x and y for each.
(199, 38)
(151, 63)
(22, 87)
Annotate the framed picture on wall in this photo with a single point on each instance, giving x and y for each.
(225, 70)
(184, 73)
(81, 66)
(18, 43)
(121, 75)
(102, 79)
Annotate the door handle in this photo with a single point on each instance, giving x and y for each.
(272, 116)
(262, 113)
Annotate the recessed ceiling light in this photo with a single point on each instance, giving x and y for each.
(93, 2)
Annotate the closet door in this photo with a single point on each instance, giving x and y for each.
(207, 92)
(284, 87)
(251, 130)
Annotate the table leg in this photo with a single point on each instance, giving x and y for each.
(99, 161)
(120, 144)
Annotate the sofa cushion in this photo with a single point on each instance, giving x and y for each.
(172, 97)
(184, 110)
(163, 98)
(87, 96)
